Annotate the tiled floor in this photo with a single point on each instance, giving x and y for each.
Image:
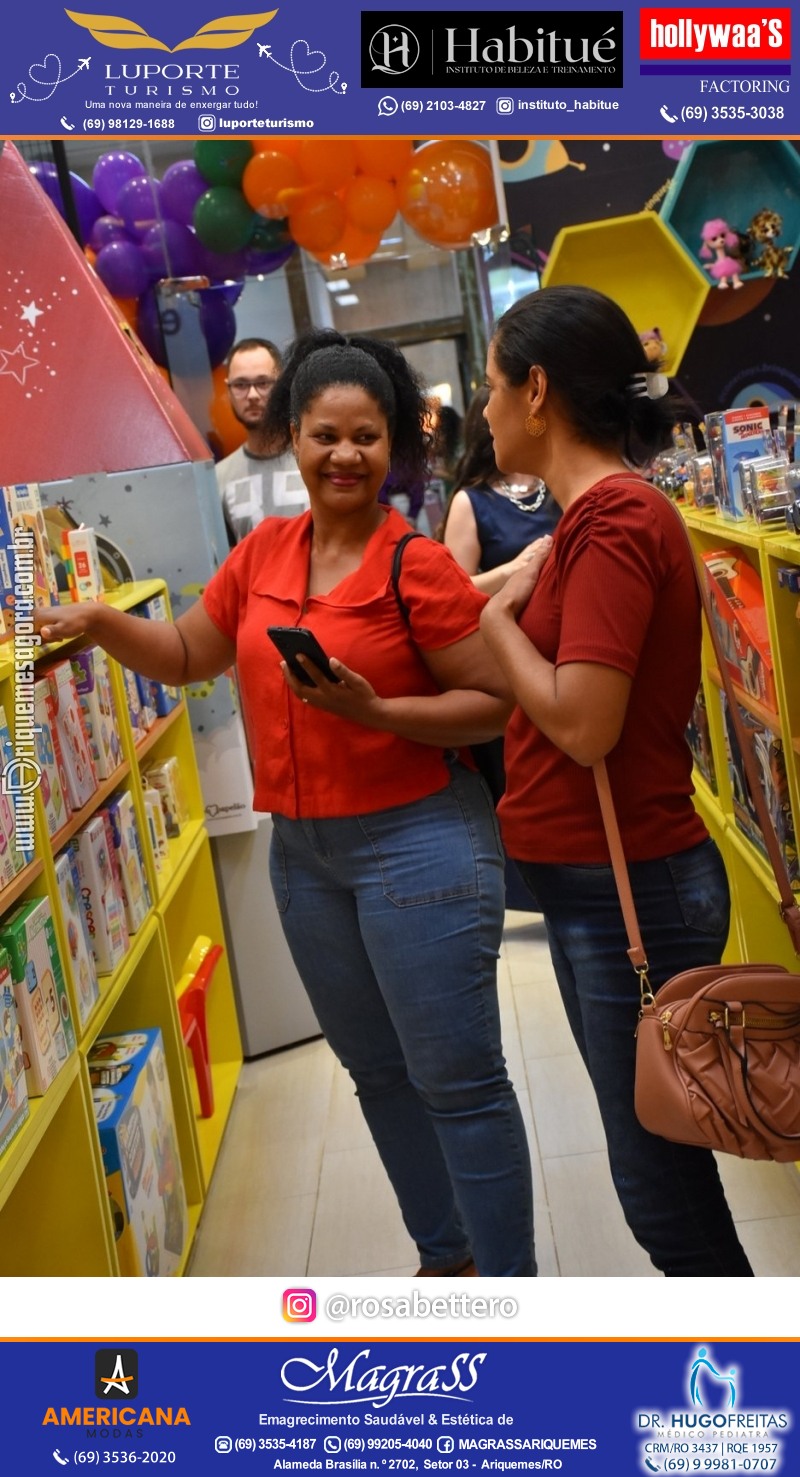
(299, 1188)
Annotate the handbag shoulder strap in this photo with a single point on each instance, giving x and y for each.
(397, 563)
(789, 910)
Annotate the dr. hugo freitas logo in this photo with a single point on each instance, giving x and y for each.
(714, 1419)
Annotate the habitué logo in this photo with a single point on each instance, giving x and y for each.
(116, 1374)
(522, 48)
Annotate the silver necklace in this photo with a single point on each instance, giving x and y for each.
(518, 493)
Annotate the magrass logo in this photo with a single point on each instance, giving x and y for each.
(520, 48)
(126, 35)
(116, 1374)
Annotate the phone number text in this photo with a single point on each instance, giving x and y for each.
(442, 105)
(124, 125)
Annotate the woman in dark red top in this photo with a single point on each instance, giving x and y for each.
(601, 647)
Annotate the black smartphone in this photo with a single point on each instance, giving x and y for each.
(294, 641)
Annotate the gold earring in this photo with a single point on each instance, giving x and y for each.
(535, 425)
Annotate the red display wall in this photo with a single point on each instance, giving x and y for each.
(78, 393)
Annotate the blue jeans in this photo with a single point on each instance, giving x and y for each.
(394, 920)
(670, 1193)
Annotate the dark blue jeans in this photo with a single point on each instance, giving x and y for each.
(671, 1194)
(394, 920)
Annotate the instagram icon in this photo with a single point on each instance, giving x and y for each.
(299, 1305)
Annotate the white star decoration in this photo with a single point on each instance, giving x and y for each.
(30, 312)
(23, 364)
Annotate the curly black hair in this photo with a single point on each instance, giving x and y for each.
(325, 357)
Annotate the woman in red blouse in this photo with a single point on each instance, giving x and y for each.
(601, 646)
(387, 866)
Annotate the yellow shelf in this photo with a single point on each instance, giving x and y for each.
(55, 1157)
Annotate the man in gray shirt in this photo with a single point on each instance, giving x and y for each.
(255, 483)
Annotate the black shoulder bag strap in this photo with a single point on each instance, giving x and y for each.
(397, 562)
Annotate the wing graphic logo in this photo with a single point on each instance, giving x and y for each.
(126, 35)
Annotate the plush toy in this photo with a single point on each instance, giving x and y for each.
(653, 344)
(764, 230)
(721, 248)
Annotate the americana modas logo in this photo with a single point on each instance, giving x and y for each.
(116, 1374)
(127, 35)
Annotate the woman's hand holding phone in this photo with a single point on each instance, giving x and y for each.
(350, 696)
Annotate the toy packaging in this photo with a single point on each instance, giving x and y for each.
(733, 435)
(53, 785)
(75, 751)
(19, 856)
(13, 1091)
(737, 602)
(29, 938)
(771, 764)
(699, 741)
(165, 777)
(25, 507)
(157, 827)
(703, 480)
(139, 1142)
(162, 697)
(80, 958)
(128, 847)
(93, 686)
(766, 488)
(136, 710)
(82, 563)
(101, 900)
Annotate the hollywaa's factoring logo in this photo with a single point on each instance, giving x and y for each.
(518, 48)
(126, 35)
(715, 34)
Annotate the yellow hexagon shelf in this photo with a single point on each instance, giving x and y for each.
(638, 262)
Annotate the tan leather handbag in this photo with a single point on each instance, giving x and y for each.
(718, 1048)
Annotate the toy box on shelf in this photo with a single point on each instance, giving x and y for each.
(698, 738)
(81, 960)
(13, 1089)
(43, 1009)
(770, 759)
(734, 436)
(737, 602)
(136, 1123)
(93, 686)
(101, 896)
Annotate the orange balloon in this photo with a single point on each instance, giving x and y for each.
(448, 193)
(370, 203)
(229, 433)
(385, 158)
(279, 145)
(265, 176)
(317, 220)
(328, 163)
(91, 256)
(351, 249)
(128, 307)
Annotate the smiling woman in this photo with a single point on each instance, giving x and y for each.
(386, 863)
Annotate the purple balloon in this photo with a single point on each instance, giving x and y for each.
(139, 204)
(229, 292)
(219, 266)
(181, 188)
(170, 250)
(87, 205)
(218, 324)
(674, 148)
(261, 263)
(110, 175)
(107, 228)
(121, 267)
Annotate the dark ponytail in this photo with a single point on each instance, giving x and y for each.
(592, 355)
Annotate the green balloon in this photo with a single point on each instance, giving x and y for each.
(222, 161)
(269, 235)
(223, 219)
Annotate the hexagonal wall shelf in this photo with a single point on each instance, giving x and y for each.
(639, 263)
(732, 180)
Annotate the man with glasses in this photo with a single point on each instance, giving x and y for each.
(254, 482)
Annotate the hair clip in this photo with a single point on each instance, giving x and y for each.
(653, 386)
